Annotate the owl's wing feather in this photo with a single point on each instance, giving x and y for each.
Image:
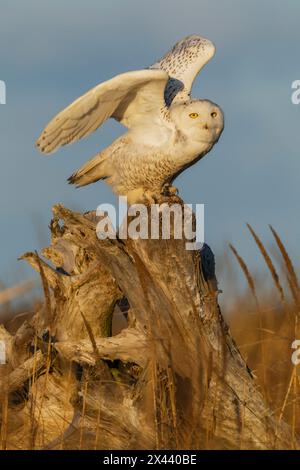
(183, 63)
(131, 98)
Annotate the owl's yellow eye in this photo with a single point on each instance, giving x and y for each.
(193, 115)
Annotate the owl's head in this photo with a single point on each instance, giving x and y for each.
(200, 120)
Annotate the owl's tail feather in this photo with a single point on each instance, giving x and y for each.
(92, 171)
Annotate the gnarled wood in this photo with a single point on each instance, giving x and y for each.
(172, 379)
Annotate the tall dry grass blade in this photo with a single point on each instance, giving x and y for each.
(287, 394)
(154, 382)
(36, 422)
(294, 407)
(97, 429)
(46, 290)
(92, 337)
(172, 395)
(292, 277)
(32, 402)
(251, 284)
(246, 272)
(4, 372)
(82, 423)
(269, 263)
(68, 398)
(101, 365)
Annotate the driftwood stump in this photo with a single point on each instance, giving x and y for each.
(172, 378)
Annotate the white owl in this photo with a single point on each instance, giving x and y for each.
(167, 130)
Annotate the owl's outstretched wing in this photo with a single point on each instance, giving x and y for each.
(183, 62)
(132, 98)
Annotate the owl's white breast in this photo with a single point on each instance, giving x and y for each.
(154, 135)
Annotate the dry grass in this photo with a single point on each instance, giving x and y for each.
(263, 324)
(272, 323)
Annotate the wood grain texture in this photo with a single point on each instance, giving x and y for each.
(173, 378)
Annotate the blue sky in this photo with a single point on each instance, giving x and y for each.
(53, 51)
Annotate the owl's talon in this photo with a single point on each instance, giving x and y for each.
(169, 190)
(173, 190)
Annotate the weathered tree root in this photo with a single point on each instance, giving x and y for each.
(172, 379)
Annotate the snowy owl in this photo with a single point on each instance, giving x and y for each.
(167, 130)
